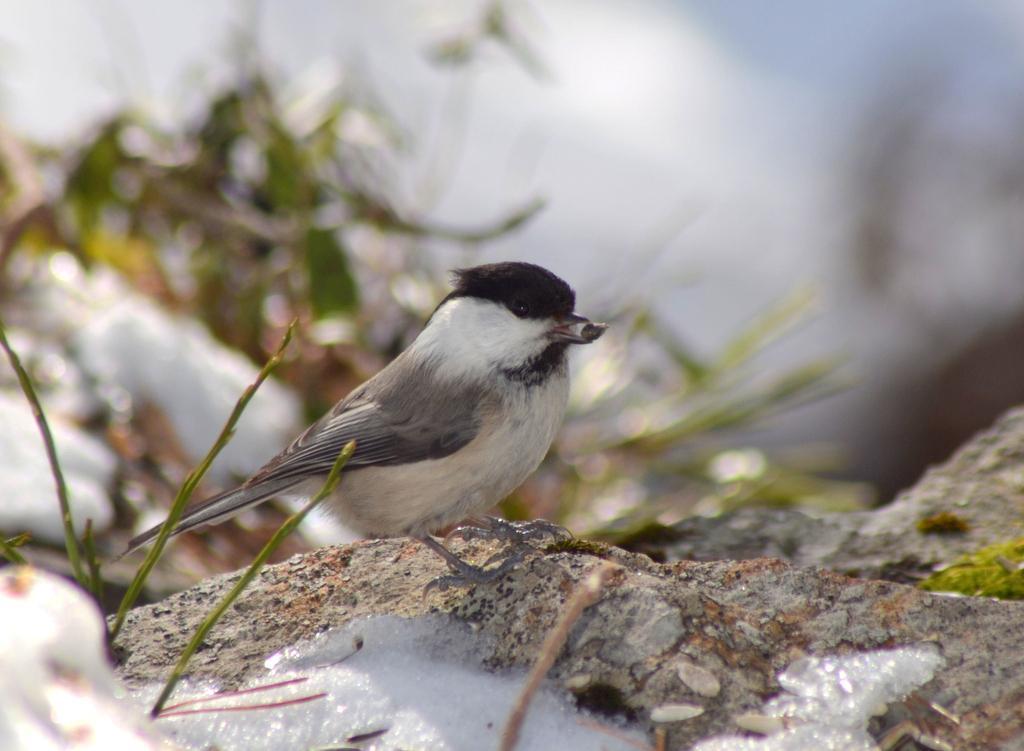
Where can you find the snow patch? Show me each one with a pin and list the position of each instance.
(177, 365)
(26, 482)
(419, 683)
(827, 701)
(57, 691)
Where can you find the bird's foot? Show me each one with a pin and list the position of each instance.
(463, 574)
(467, 574)
(517, 533)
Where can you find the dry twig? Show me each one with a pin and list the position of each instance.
(585, 595)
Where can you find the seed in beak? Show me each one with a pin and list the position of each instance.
(564, 332)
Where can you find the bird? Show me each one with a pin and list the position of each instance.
(447, 429)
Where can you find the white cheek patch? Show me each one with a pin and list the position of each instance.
(468, 336)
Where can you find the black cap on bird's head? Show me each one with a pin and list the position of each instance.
(529, 291)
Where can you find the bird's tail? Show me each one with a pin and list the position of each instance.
(217, 509)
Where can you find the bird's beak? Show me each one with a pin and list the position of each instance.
(588, 332)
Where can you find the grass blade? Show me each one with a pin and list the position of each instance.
(92, 561)
(70, 542)
(767, 327)
(250, 573)
(190, 484)
(9, 550)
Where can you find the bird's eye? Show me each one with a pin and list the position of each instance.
(519, 308)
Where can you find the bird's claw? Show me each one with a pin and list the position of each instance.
(517, 534)
(463, 574)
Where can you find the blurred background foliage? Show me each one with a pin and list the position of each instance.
(269, 206)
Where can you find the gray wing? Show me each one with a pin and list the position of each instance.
(401, 415)
(392, 422)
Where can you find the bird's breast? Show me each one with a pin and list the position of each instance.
(516, 431)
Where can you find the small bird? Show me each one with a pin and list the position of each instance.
(448, 429)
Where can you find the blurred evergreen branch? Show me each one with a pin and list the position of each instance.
(661, 417)
(497, 24)
(254, 201)
(25, 201)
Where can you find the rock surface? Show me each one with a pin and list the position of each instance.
(734, 625)
(982, 484)
(710, 637)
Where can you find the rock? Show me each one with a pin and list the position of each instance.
(981, 486)
(690, 646)
(732, 625)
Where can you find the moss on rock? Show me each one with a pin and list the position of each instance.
(993, 571)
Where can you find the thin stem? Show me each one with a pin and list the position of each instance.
(70, 543)
(190, 484)
(250, 573)
(247, 707)
(10, 551)
(92, 561)
(232, 694)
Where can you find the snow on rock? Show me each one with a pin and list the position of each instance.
(29, 497)
(119, 348)
(177, 365)
(56, 689)
(415, 683)
(827, 701)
